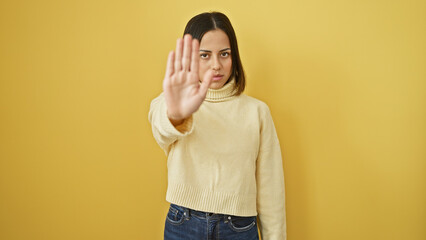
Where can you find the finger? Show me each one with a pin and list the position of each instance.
(205, 84)
(169, 68)
(178, 55)
(195, 58)
(186, 52)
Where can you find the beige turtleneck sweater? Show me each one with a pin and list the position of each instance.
(225, 159)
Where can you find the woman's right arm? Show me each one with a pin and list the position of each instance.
(165, 133)
(171, 113)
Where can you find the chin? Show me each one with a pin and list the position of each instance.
(217, 85)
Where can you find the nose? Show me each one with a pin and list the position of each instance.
(216, 65)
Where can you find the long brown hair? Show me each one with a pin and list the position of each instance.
(204, 22)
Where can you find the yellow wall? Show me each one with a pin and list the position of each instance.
(345, 81)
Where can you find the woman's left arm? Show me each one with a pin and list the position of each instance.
(270, 182)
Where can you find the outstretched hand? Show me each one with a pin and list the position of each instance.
(182, 90)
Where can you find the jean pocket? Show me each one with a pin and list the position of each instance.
(175, 216)
(242, 224)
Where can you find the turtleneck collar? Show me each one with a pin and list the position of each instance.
(225, 93)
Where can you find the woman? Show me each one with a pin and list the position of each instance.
(225, 171)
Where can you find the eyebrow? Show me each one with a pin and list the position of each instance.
(201, 50)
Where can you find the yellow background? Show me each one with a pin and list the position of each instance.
(345, 81)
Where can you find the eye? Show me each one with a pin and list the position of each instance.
(225, 54)
(204, 55)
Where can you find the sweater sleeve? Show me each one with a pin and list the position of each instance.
(163, 130)
(270, 182)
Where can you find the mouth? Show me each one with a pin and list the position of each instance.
(217, 77)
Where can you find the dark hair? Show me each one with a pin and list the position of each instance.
(208, 21)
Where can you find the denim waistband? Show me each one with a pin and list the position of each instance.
(201, 214)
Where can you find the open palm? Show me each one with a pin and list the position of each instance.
(182, 89)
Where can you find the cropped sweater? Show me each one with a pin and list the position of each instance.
(225, 158)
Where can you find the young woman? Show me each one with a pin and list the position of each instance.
(225, 173)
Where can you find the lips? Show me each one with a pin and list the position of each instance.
(217, 77)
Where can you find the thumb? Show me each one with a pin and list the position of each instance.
(205, 84)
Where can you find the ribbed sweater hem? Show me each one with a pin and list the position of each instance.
(211, 201)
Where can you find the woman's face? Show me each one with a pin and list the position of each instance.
(215, 55)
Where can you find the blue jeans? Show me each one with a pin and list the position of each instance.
(186, 224)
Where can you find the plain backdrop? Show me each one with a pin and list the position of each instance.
(345, 82)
